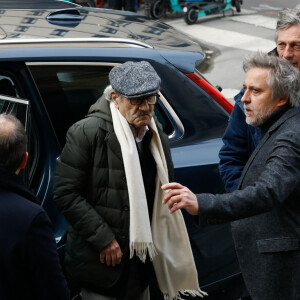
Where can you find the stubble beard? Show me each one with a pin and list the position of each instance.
(258, 118)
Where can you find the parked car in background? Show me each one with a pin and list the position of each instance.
(54, 63)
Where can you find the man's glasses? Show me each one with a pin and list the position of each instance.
(151, 100)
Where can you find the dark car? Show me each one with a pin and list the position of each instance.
(54, 63)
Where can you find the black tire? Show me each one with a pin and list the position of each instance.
(191, 16)
(157, 9)
(238, 5)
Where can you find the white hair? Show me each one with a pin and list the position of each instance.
(287, 18)
(107, 91)
(283, 79)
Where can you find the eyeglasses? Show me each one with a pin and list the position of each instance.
(151, 100)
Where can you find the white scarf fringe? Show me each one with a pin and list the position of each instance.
(192, 293)
(141, 249)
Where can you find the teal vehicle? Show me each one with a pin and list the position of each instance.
(159, 7)
(193, 9)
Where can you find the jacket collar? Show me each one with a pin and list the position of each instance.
(101, 106)
(101, 110)
(267, 124)
(13, 183)
(285, 116)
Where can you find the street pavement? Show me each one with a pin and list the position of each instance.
(227, 40)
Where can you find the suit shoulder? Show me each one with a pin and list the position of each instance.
(293, 123)
(18, 211)
(289, 132)
(19, 203)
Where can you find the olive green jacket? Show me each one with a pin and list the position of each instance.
(90, 190)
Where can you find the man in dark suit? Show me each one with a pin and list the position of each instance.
(29, 263)
(265, 210)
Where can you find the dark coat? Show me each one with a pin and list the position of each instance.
(90, 189)
(29, 263)
(266, 211)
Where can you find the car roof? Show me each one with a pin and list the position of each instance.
(24, 4)
(28, 20)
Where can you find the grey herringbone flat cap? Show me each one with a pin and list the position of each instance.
(134, 79)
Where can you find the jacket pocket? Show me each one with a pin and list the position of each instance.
(277, 245)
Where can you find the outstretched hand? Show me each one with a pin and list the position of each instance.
(178, 196)
(111, 254)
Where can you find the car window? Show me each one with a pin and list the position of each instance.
(69, 90)
(7, 86)
(9, 99)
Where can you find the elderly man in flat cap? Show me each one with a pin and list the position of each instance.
(121, 238)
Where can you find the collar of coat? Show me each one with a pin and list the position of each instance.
(271, 119)
(101, 110)
(285, 116)
(13, 183)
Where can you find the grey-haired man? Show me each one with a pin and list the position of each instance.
(265, 209)
(107, 185)
(240, 139)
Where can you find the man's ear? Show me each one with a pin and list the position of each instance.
(114, 98)
(23, 163)
(283, 101)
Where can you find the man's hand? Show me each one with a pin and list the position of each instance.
(178, 196)
(111, 254)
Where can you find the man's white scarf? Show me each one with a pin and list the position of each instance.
(166, 240)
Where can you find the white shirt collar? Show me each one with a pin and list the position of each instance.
(141, 134)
